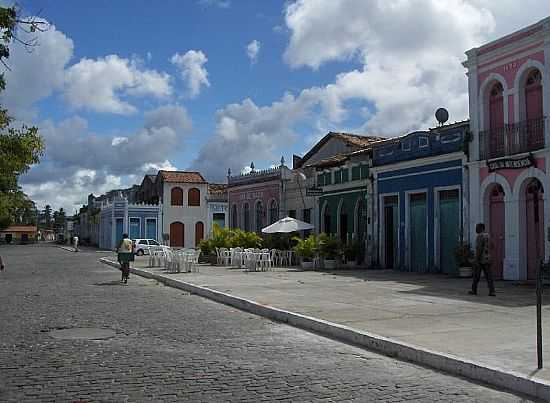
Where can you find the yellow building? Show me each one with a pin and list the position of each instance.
(19, 234)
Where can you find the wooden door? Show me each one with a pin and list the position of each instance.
(417, 233)
(391, 226)
(534, 204)
(177, 235)
(199, 232)
(533, 96)
(496, 121)
(449, 230)
(497, 231)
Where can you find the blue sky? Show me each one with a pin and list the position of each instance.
(121, 88)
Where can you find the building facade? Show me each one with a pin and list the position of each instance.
(118, 216)
(254, 198)
(217, 207)
(509, 159)
(184, 207)
(418, 199)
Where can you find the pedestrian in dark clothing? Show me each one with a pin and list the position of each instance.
(125, 256)
(482, 261)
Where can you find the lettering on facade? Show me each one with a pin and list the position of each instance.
(314, 192)
(217, 208)
(511, 66)
(251, 195)
(510, 163)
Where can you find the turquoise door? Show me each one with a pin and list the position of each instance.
(119, 230)
(151, 229)
(135, 232)
(449, 230)
(391, 227)
(417, 232)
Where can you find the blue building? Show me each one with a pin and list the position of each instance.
(418, 199)
(117, 217)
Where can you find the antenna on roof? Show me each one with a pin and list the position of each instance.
(442, 115)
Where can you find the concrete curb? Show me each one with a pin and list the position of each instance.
(67, 248)
(494, 376)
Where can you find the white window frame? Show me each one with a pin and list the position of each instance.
(423, 138)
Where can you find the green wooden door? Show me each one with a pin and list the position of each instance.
(391, 223)
(417, 234)
(449, 230)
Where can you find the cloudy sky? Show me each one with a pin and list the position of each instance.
(122, 88)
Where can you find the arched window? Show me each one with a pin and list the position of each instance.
(259, 216)
(176, 196)
(533, 95)
(194, 197)
(343, 230)
(234, 217)
(326, 219)
(496, 106)
(199, 232)
(273, 212)
(246, 217)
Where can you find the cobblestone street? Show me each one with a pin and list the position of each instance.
(172, 346)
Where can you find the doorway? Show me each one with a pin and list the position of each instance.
(497, 230)
(534, 210)
(449, 230)
(417, 232)
(391, 226)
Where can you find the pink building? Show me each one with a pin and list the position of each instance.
(508, 166)
(254, 198)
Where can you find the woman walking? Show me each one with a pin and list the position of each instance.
(125, 256)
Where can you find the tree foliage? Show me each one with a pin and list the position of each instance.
(20, 147)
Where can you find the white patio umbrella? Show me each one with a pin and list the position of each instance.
(286, 225)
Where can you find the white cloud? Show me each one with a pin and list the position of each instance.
(410, 53)
(193, 72)
(90, 162)
(36, 72)
(252, 50)
(102, 84)
(246, 132)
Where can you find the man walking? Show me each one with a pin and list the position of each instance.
(75, 242)
(482, 261)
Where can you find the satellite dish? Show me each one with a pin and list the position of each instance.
(442, 115)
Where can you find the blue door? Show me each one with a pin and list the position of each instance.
(449, 230)
(119, 230)
(151, 229)
(135, 232)
(417, 234)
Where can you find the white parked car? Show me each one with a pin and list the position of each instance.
(142, 246)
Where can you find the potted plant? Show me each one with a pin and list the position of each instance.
(330, 249)
(351, 253)
(464, 257)
(208, 252)
(306, 250)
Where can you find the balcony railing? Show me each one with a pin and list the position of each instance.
(515, 138)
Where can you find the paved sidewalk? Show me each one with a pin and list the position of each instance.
(430, 311)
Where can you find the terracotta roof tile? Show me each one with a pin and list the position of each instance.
(20, 228)
(182, 177)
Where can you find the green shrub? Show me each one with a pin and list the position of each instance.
(330, 247)
(306, 248)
